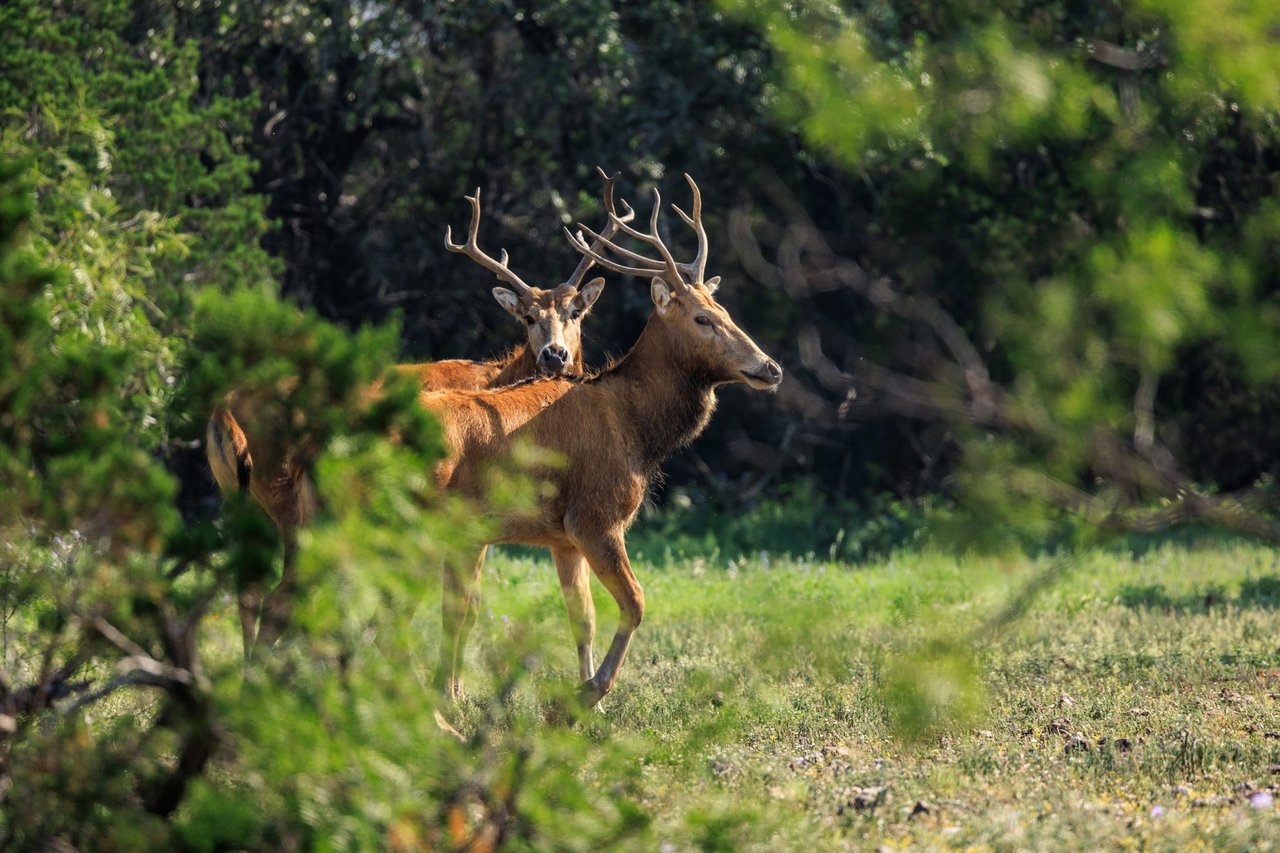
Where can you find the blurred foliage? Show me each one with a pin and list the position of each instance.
(1069, 207)
(1086, 192)
(931, 690)
(127, 718)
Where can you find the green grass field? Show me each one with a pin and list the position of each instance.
(1135, 703)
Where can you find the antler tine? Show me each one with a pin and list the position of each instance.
(580, 243)
(617, 223)
(655, 266)
(609, 181)
(656, 241)
(472, 249)
(653, 238)
(612, 228)
(699, 264)
(473, 227)
(675, 273)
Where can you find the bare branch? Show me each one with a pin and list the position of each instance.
(1144, 422)
(136, 679)
(41, 695)
(117, 638)
(1123, 58)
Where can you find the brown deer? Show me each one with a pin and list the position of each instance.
(613, 431)
(552, 318)
(249, 441)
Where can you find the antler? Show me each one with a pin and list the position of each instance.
(472, 250)
(699, 263)
(675, 273)
(628, 214)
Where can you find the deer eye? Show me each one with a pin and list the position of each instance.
(528, 318)
(702, 320)
(577, 312)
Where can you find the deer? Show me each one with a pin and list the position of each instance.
(552, 318)
(248, 441)
(613, 431)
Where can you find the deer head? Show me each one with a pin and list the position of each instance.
(552, 317)
(699, 330)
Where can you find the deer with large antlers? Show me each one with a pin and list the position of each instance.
(658, 398)
(552, 318)
(247, 440)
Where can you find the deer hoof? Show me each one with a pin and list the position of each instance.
(589, 694)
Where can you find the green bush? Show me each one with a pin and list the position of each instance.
(128, 718)
(799, 523)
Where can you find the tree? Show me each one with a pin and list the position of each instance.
(127, 717)
(1067, 211)
(137, 185)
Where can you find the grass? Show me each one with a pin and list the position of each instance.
(1135, 703)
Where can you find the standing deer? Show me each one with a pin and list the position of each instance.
(249, 440)
(613, 431)
(552, 318)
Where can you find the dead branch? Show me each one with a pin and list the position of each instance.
(952, 383)
(1123, 58)
(43, 694)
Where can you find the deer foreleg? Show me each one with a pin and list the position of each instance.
(250, 605)
(609, 561)
(575, 584)
(460, 607)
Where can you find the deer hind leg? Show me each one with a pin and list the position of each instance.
(292, 504)
(608, 559)
(575, 584)
(460, 607)
(250, 605)
(277, 605)
(253, 602)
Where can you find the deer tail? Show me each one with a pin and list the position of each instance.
(228, 451)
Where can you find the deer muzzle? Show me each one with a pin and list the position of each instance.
(552, 359)
(766, 376)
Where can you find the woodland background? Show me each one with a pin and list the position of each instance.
(326, 146)
(1019, 261)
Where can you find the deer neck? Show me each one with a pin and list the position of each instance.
(670, 398)
(514, 366)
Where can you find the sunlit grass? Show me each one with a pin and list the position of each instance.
(1134, 703)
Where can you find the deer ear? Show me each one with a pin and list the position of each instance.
(712, 283)
(589, 293)
(507, 300)
(661, 293)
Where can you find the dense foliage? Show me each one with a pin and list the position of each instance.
(1071, 213)
(968, 158)
(1023, 256)
(127, 717)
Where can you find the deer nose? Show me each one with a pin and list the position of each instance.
(553, 357)
(772, 370)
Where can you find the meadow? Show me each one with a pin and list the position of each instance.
(1132, 703)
